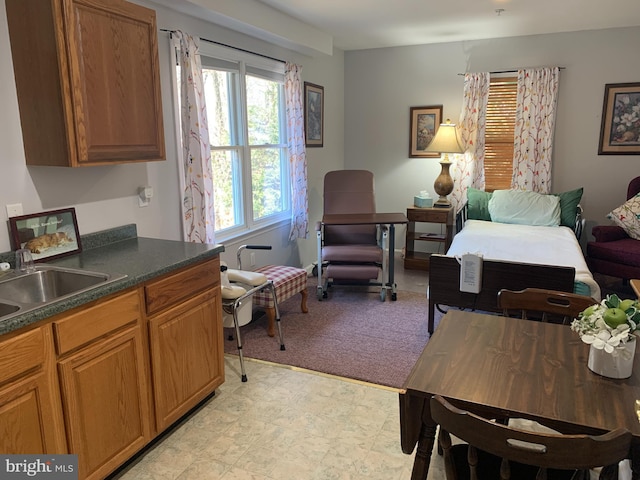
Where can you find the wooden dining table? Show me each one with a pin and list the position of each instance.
(497, 366)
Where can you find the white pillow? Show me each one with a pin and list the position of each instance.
(627, 216)
(524, 208)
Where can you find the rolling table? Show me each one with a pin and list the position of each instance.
(390, 219)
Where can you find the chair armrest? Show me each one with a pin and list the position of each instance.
(608, 233)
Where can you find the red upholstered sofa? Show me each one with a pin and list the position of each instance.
(613, 252)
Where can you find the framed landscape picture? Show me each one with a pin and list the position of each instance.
(313, 115)
(620, 128)
(424, 123)
(47, 235)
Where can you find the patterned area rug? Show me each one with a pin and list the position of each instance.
(351, 334)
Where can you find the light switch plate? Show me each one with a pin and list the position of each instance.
(14, 210)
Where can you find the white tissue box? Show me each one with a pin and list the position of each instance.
(422, 202)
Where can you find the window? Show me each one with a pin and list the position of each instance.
(499, 133)
(244, 97)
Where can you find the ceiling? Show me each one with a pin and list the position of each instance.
(363, 24)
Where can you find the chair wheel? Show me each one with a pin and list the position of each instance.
(383, 294)
(394, 296)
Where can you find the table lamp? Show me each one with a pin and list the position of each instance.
(445, 141)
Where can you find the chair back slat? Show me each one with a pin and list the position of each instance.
(543, 305)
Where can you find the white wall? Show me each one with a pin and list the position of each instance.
(382, 84)
(106, 197)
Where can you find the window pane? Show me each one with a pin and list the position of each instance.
(266, 176)
(263, 105)
(226, 189)
(217, 90)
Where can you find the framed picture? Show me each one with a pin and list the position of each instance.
(313, 115)
(424, 125)
(47, 234)
(620, 129)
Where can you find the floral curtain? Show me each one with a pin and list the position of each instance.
(297, 151)
(468, 168)
(196, 176)
(535, 123)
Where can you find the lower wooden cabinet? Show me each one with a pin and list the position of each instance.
(187, 355)
(105, 386)
(30, 412)
(102, 380)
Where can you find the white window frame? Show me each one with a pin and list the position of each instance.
(249, 226)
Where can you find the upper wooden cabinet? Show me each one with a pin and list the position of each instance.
(87, 80)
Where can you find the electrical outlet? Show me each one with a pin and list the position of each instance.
(14, 210)
(253, 259)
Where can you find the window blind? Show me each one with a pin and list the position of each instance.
(499, 128)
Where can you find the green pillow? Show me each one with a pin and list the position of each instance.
(478, 204)
(569, 206)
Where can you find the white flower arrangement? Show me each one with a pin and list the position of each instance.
(609, 324)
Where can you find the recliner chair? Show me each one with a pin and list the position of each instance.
(613, 252)
(350, 254)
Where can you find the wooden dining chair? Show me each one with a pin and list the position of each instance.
(543, 305)
(496, 451)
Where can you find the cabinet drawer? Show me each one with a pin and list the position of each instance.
(91, 323)
(177, 287)
(21, 353)
(431, 216)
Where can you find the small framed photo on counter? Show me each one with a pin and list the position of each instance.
(47, 235)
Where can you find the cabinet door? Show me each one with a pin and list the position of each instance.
(115, 81)
(104, 387)
(30, 413)
(187, 356)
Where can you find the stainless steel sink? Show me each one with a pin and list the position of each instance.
(7, 309)
(22, 292)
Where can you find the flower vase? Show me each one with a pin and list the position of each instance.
(618, 364)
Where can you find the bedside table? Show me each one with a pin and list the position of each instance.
(444, 216)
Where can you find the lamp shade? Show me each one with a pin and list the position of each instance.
(445, 140)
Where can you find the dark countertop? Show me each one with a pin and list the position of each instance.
(139, 258)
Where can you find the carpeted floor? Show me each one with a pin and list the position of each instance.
(351, 334)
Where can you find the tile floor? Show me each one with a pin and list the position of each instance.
(284, 424)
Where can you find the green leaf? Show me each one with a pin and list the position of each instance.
(612, 301)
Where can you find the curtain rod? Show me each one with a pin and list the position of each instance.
(231, 46)
(508, 71)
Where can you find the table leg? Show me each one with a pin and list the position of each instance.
(635, 461)
(392, 248)
(423, 451)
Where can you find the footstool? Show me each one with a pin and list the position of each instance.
(287, 281)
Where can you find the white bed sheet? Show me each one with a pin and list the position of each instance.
(526, 244)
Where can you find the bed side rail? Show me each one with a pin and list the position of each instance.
(444, 282)
(461, 217)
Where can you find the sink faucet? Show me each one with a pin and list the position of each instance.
(24, 261)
